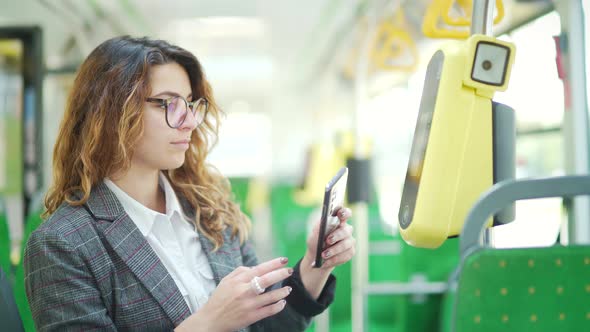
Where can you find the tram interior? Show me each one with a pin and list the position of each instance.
(305, 86)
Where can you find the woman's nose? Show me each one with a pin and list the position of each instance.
(190, 122)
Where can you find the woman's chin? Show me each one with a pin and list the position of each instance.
(173, 163)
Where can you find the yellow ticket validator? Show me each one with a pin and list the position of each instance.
(451, 161)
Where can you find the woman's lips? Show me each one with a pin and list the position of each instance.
(183, 144)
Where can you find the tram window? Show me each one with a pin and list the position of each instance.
(11, 147)
(537, 221)
(539, 144)
(535, 74)
(10, 116)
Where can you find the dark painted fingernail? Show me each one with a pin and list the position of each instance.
(347, 213)
(330, 239)
(284, 260)
(290, 271)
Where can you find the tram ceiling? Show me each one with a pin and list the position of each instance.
(342, 31)
(297, 41)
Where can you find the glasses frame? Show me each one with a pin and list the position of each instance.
(192, 105)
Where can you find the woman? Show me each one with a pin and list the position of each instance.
(141, 234)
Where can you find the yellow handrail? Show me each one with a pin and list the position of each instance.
(393, 47)
(439, 23)
(466, 7)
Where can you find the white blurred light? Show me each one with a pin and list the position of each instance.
(240, 106)
(235, 68)
(534, 74)
(218, 26)
(245, 145)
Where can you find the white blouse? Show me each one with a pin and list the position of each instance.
(176, 242)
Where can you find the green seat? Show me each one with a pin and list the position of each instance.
(239, 188)
(8, 313)
(524, 289)
(447, 307)
(33, 221)
(4, 243)
(544, 289)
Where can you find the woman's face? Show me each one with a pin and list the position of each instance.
(162, 147)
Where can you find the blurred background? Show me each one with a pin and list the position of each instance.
(303, 85)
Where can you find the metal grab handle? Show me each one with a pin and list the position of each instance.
(467, 7)
(482, 17)
(507, 192)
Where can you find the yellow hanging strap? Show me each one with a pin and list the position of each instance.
(394, 49)
(452, 18)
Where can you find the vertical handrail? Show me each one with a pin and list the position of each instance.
(482, 17)
(360, 264)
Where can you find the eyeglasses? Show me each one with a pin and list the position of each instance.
(177, 109)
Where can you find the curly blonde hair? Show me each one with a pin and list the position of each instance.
(103, 122)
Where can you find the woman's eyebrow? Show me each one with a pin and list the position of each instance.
(172, 94)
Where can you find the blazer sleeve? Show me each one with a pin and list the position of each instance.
(61, 291)
(301, 306)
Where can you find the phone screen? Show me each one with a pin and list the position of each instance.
(333, 201)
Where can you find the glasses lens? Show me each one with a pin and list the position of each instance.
(200, 108)
(176, 111)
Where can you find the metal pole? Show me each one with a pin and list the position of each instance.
(482, 17)
(504, 153)
(482, 20)
(579, 225)
(360, 264)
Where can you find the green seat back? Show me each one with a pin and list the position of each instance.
(446, 315)
(4, 244)
(435, 266)
(33, 221)
(239, 188)
(542, 289)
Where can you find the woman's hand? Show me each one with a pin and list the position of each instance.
(235, 303)
(339, 248)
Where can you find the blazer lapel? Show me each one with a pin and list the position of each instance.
(126, 240)
(222, 260)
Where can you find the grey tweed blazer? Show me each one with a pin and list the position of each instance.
(90, 268)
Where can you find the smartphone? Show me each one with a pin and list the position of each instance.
(333, 201)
